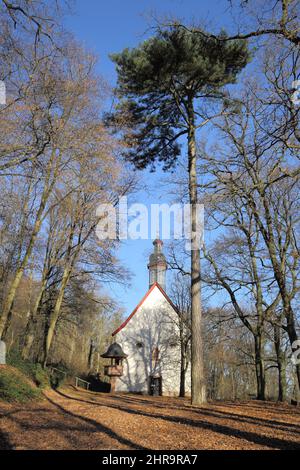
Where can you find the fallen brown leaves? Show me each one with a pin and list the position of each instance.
(75, 419)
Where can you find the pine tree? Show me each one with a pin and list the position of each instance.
(160, 85)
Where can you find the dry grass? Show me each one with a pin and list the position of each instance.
(73, 419)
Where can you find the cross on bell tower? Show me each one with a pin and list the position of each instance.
(157, 265)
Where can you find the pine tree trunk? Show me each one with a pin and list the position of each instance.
(197, 366)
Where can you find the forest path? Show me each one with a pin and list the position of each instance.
(76, 419)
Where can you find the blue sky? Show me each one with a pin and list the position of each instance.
(107, 26)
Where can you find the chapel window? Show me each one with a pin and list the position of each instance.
(155, 355)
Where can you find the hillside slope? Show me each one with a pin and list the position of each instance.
(15, 386)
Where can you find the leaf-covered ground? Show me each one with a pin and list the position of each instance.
(73, 419)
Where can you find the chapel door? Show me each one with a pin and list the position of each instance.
(155, 386)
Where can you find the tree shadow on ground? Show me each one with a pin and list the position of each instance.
(255, 406)
(217, 413)
(270, 423)
(99, 427)
(254, 420)
(250, 436)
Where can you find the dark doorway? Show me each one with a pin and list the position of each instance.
(155, 386)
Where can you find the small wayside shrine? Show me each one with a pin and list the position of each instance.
(115, 369)
(145, 355)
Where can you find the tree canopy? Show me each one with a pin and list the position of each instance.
(158, 83)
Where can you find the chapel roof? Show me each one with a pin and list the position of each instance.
(141, 303)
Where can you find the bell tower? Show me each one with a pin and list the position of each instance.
(157, 265)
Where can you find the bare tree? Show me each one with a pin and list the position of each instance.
(271, 17)
(63, 103)
(256, 177)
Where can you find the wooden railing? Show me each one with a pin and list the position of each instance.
(78, 381)
(54, 369)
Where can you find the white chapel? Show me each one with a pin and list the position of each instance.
(145, 353)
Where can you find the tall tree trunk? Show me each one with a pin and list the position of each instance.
(32, 322)
(55, 314)
(197, 366)
(8, 302)
(233, 387)
(260, 367)
(213, 391)
(182, 382)
(281, 364)
(293, 336)
(282, 383)
(91, 356)
(7, 305)
(182, 370)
